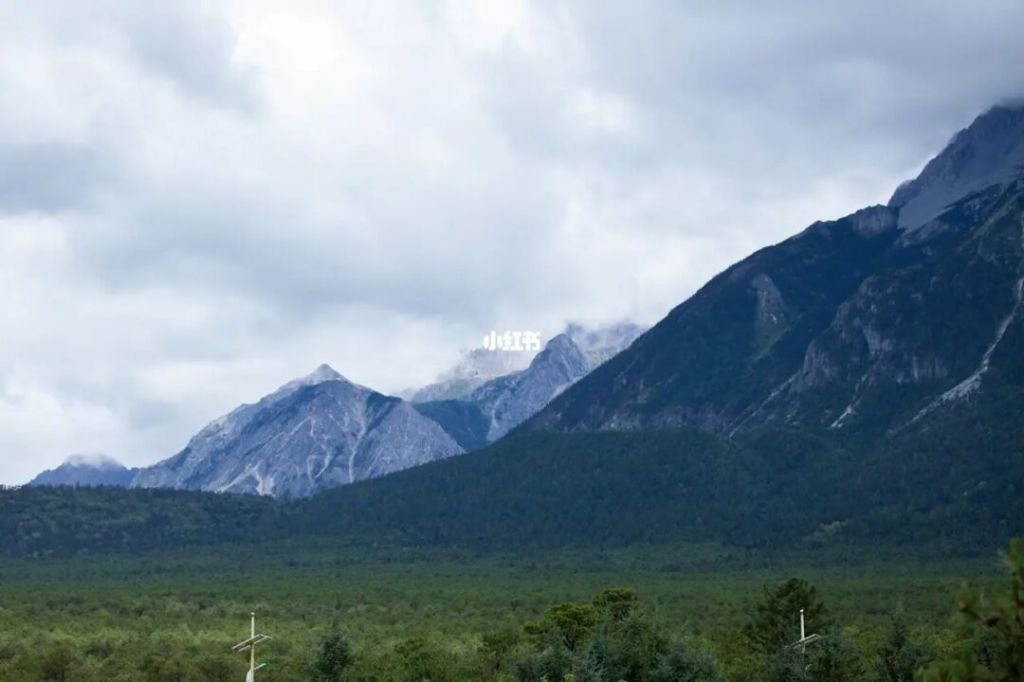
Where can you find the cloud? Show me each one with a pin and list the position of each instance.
(47, 177)
(199, 201)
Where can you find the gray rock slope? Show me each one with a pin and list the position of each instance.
(989, 152)
(499, 405)
(314, 433)
(323, 431)
(475, 368)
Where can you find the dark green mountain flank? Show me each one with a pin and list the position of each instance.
(952, 483)
(850, 326)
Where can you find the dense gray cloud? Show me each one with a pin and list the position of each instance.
(199, 201)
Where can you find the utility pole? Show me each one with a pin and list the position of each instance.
(803, 633)
(805, 639)
(250, 646)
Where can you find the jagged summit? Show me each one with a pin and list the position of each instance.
(318, 376)
(322, 430)
(315, 432)
(601, 343)
(497, 406)
(480, 365)
(988, 152)
(474, 368)
(324, 373)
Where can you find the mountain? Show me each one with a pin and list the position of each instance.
(497, 406)
(313, 433)
(857, 387)
(86, 470)
(481, 365)
(599, 344)
(989, 152)
(474, 368)
(860, 384)
(861, 325)
(322, 431)
(769, 490)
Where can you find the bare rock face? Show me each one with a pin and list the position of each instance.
(321, 431)
(475, 368)
(989, 152)
(313, 433)
(501, 404)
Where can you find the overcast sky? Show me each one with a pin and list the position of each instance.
(199, 201)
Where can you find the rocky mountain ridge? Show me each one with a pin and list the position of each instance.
(861, 324)
(322, 430)
(313, 433)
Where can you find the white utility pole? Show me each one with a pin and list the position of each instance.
(250, 645)
(805, 639)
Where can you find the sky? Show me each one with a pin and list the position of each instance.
(201, 201)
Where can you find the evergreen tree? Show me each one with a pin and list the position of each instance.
(787, 664)
(683, 664)
(630, 649)
(333, 658)
(836, 658)
(776, 619)
(571, 623)
(898, 658)
(56, 663)
(1001, 627)
(617, 602)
